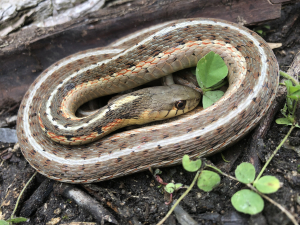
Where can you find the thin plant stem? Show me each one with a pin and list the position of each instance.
(287, 76)
(181, 197)
(17, 203)
(220, 171)
(274, 153)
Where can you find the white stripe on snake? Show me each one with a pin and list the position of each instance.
(172, 46)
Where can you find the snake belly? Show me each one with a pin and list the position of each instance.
(137, 59)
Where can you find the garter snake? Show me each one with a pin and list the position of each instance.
(134, 60)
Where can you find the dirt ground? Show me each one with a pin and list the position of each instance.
(138, 199)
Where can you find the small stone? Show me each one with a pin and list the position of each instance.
(3, 123)
(8, 135)
(11, 120)
(282, 52)
(57, 211)
(53, 221)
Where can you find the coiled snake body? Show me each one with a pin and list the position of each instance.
(134, 60)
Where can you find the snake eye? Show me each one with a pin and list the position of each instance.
(180, 104)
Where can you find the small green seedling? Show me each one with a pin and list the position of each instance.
(262, 30)
(211, 97)
(168, 187)
(207, 180)
(14, 220)
(289, 109)
(171, 188)
(190, 165)
(210, 73)
(267, 184)
(245, 173)
(247, 201)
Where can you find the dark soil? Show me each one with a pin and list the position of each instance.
(142, 197)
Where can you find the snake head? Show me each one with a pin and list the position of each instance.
(163, 102)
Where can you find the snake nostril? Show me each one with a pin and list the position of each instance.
(180, 104)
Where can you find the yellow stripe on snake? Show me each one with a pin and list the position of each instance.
(56, 143)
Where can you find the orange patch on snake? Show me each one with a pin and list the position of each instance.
(206, 42)
(84, 138)
(140, 64)
(229, 48)
(56, 137)
(91, 135)
(191, 43)
(41, 124)
(150, 59)
(109, 126)
(95, 82)
(171, 50)
(221, 44)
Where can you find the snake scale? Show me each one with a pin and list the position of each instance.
(132, 61)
